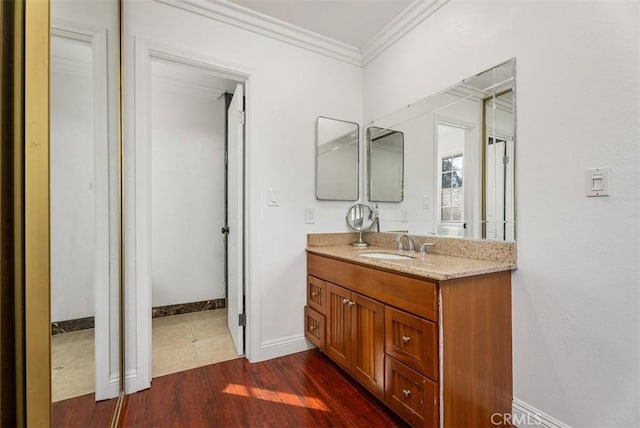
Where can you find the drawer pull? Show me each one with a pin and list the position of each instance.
(315, 294)
(406, 393)
(312, 328)
(345, 301)
(405, 339)
(351, 303)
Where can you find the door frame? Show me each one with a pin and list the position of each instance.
(137, 196)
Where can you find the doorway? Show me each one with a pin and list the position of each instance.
(196, 216)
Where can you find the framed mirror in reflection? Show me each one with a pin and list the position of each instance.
(458, 178)
(337, 159)
(385, 148)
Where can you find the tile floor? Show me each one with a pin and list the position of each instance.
(180, 342)
(72, 364)
(187, 341)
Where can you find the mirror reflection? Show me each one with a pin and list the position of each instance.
(337, 159)
(84, 189)
(386, 164)
(459, 169)
(73, 219)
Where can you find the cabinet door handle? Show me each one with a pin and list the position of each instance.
(345, 301)
(312, 327)
(405, 339)
(315, 294)
(406, 393)
(351, 303)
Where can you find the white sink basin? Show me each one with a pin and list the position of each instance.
(389, 256)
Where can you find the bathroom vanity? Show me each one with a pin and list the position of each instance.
(429, 335)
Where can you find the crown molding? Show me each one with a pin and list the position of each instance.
(256, 22)
(410, 18)
(247, 19)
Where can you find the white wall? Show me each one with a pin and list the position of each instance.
(287, 89)
(576, 322)
(72, 181)
(187, 131)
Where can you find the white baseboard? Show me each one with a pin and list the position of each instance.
(527, 416)
(282, 346)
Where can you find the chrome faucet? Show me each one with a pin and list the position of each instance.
(412, 245)
(423, 247)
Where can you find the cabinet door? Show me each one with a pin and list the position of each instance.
(338, 332)
(367, 339)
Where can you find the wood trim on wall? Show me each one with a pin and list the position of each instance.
(36, 233)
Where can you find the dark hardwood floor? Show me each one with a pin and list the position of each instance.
(299, 390)
(82, 412)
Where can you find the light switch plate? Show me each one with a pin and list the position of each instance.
(426, 202)
(598, 182)
(404, 215)
(272, 196)
(309, 215)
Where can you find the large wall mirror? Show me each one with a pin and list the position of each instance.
(337, 159)
(459, 147)
(84, 188)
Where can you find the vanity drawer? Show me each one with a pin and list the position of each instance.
(417, 296)
(314, 327)
(317, 294)
(413, 396)
(412, 340)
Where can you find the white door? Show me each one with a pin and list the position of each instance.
(499, 188)
(235, 210)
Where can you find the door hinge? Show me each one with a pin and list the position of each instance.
(241, 117)
(505, 160)
(242, 320)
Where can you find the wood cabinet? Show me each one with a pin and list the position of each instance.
(355, 338)
(430, 350)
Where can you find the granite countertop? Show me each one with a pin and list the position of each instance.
(439, 267)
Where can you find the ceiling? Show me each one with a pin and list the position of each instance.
(353, 22)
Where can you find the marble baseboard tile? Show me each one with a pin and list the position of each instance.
(186, 308)
(59, 327)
